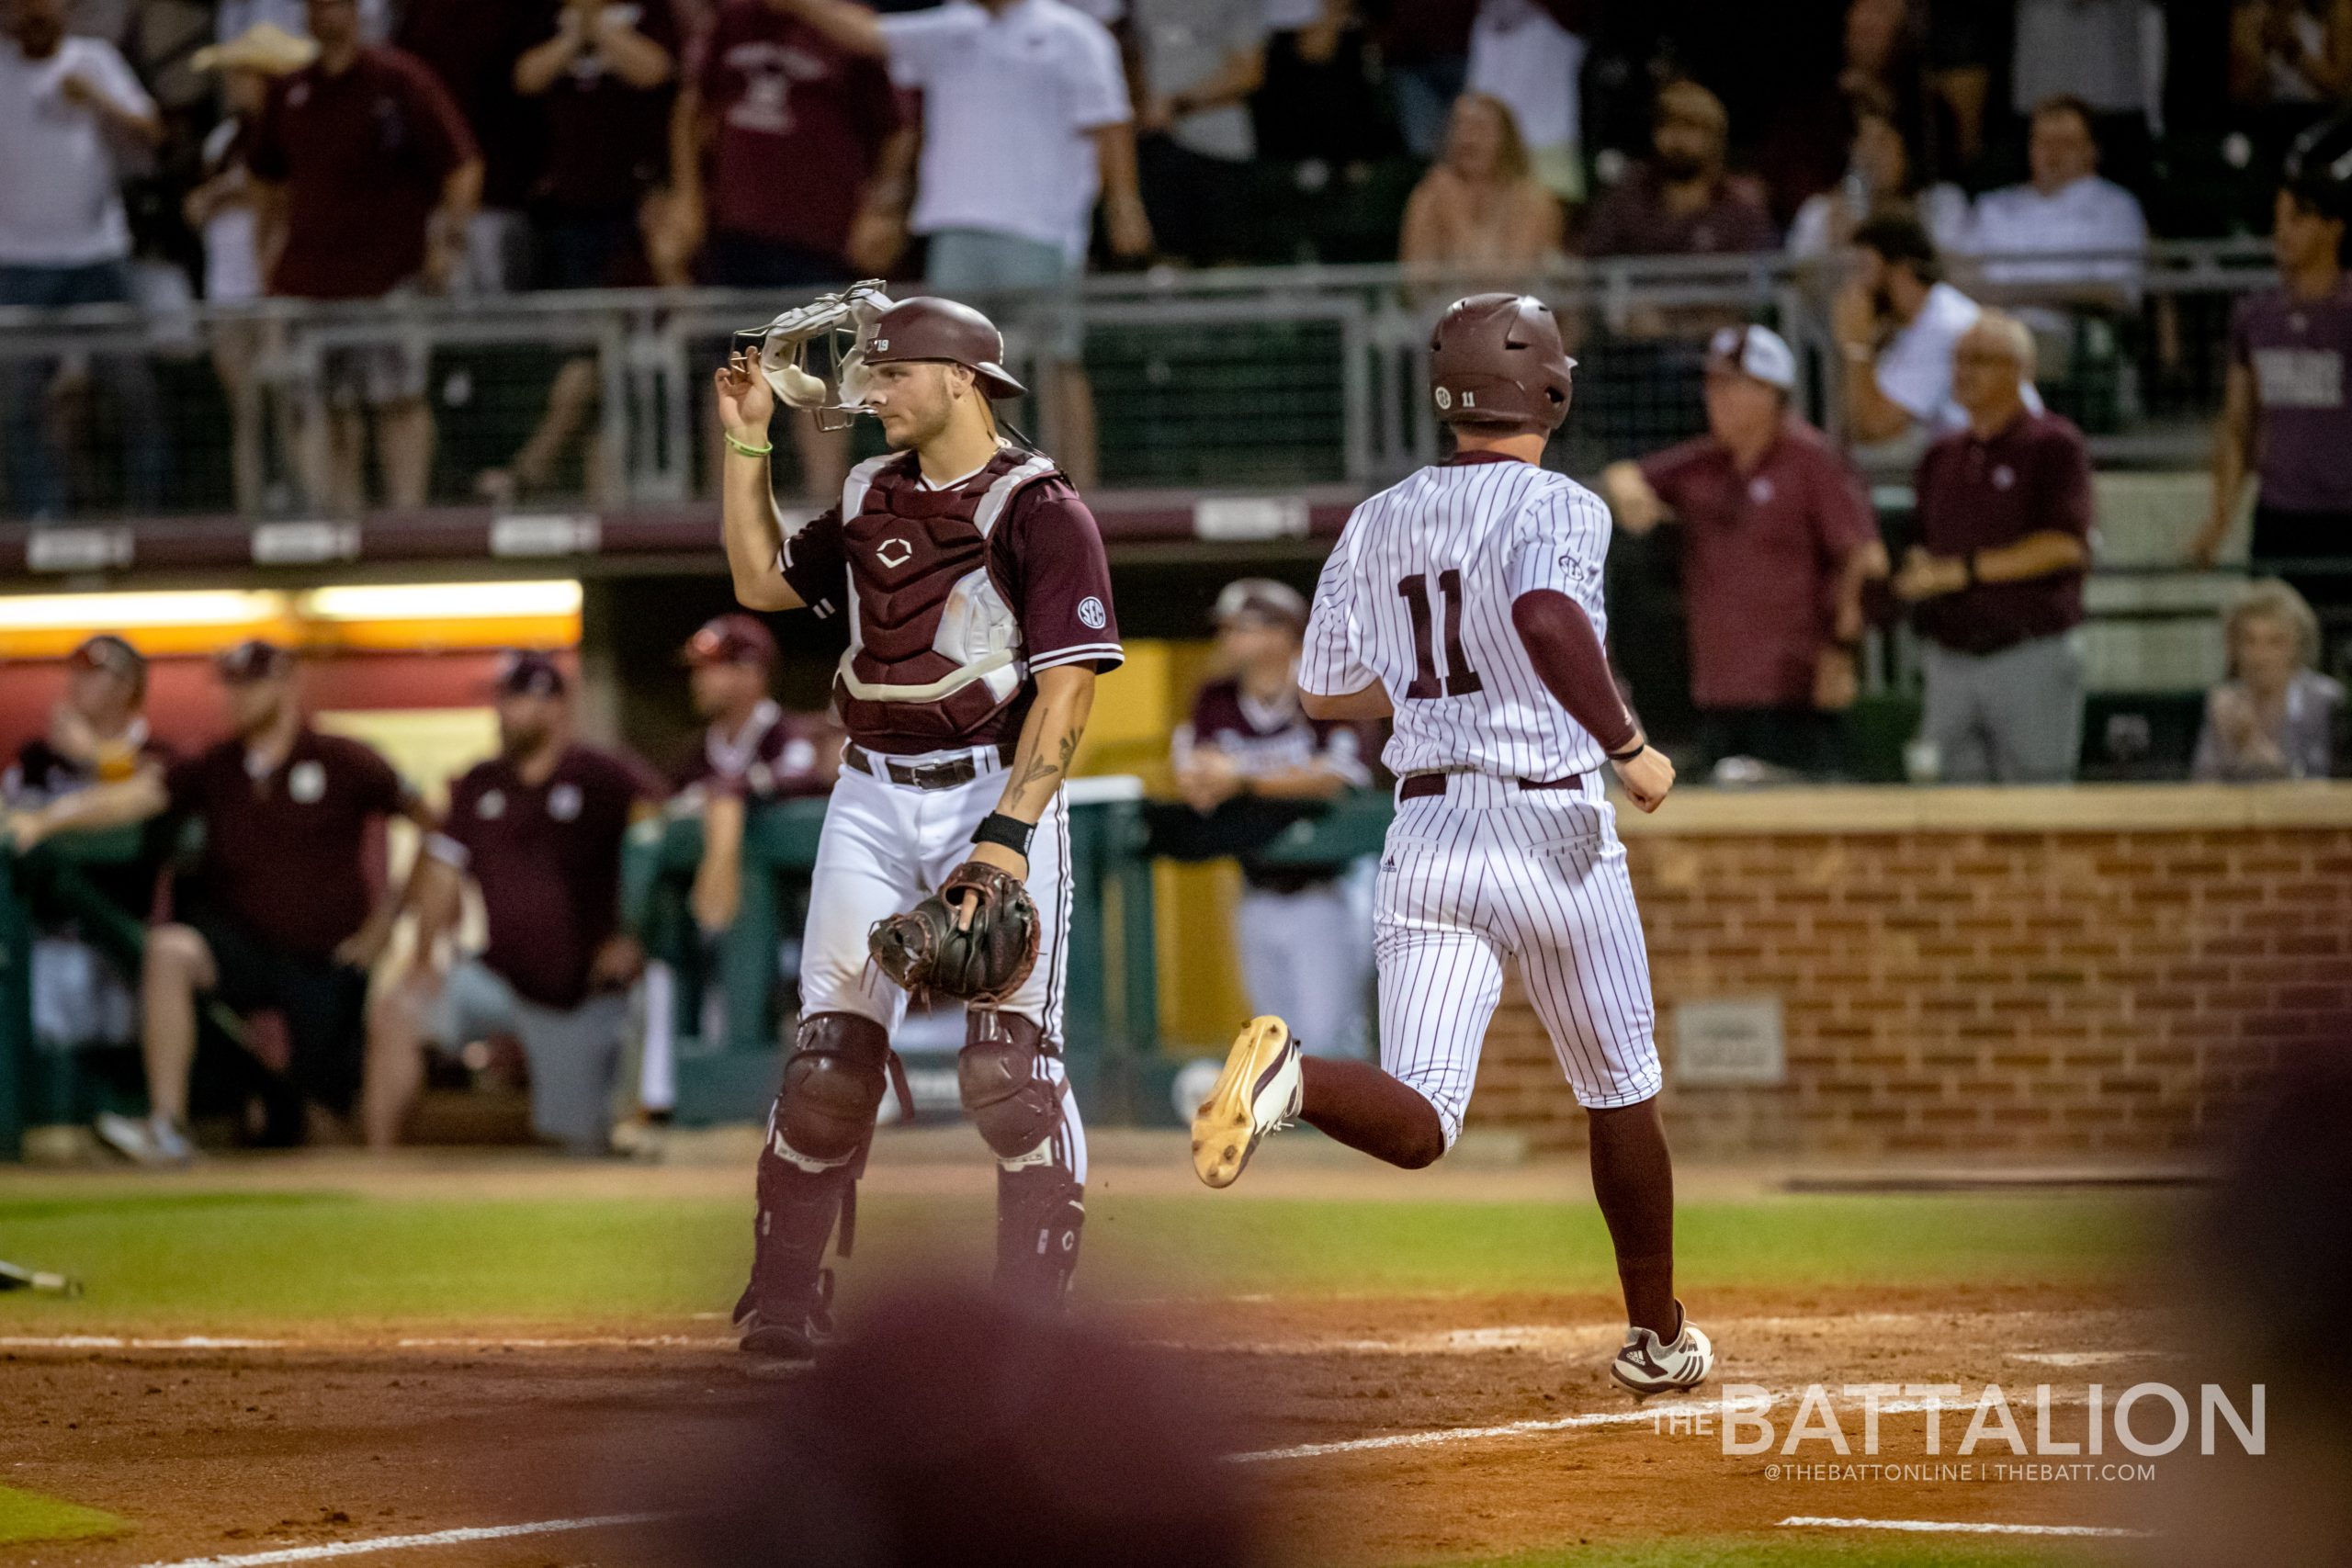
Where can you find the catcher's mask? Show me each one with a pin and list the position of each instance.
(814, 355)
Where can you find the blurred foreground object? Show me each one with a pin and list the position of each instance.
(953, 1427)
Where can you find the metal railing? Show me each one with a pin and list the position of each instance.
(1239, 378)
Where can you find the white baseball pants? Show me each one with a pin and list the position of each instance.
(1488, 871)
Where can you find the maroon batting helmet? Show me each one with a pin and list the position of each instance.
(1497, 362)
(927, 327)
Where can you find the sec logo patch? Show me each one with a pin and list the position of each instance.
(1090, 612)
(307, 782)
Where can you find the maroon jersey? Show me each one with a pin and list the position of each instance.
(774, 757)
(2300, 353)
(1263, 738)
(1762, 554)
(548, 860)
(286, 852)
(797, 125)
(363, 156)
(955, 597)
(1979, 493)
(608, 142)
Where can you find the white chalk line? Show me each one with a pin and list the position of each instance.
(1647, 1415)
(1433, 1438)
(406, 1542)
(1961, 1526)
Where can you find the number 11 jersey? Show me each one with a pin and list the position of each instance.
(1417, 595)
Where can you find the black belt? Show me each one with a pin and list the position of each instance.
(1420, 786)
(919, 775)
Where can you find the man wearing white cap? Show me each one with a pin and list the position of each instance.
(1778, 537)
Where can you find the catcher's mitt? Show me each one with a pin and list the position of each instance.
(984, 960)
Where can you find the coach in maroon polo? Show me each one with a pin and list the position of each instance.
(365, 176)
(1996, 581)
(283, 913)
(1777, 538)
(538, 830)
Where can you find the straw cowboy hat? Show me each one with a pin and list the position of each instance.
(265, 47)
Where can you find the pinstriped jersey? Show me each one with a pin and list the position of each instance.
(1417, 595)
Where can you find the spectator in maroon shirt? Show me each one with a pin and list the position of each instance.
(470, 47)
(366, 176)
(1777, 540)
(1996, 581)
(605, 74)
(791, 165)
(791, 156)
(538, 830)
(1682, 202)
(283, 915)
(2287, 412)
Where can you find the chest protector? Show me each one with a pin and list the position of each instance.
(934, 649)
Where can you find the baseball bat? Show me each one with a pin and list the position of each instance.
(14, 1278)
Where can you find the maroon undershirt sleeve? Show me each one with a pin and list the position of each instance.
(1559, 638)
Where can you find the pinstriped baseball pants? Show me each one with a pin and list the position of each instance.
(1489, 872)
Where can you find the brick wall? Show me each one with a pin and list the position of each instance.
(2060, 974)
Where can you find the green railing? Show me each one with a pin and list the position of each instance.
(1111, 1016)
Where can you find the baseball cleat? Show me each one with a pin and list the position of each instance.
(151, 1141)
(1646, 1365)
(794, 1335)
(1257, 1093)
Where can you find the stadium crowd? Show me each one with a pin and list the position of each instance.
(355, 150)
(344, 150)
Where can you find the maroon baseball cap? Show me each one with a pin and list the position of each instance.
(113, 654)
(524, 673)
(255, 659)
(732, 639)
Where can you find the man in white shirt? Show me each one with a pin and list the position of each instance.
(1520, 54)
(2066, 210)
(1897, 321)
(66, 104)
(1025, 121)
(2109, 54)
(1197, 62)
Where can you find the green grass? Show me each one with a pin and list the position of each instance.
(222, 1261)
(1859, 1549)
(29, 1516)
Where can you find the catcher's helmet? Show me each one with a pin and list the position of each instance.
(1496, 362)
(2318, 171)
(927, 327)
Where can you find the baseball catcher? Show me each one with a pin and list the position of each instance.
(972, 579)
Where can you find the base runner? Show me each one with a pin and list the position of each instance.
(978, 598)
(1465, 602)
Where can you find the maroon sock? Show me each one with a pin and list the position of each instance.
(1365, 1109)
(1633, 1178)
